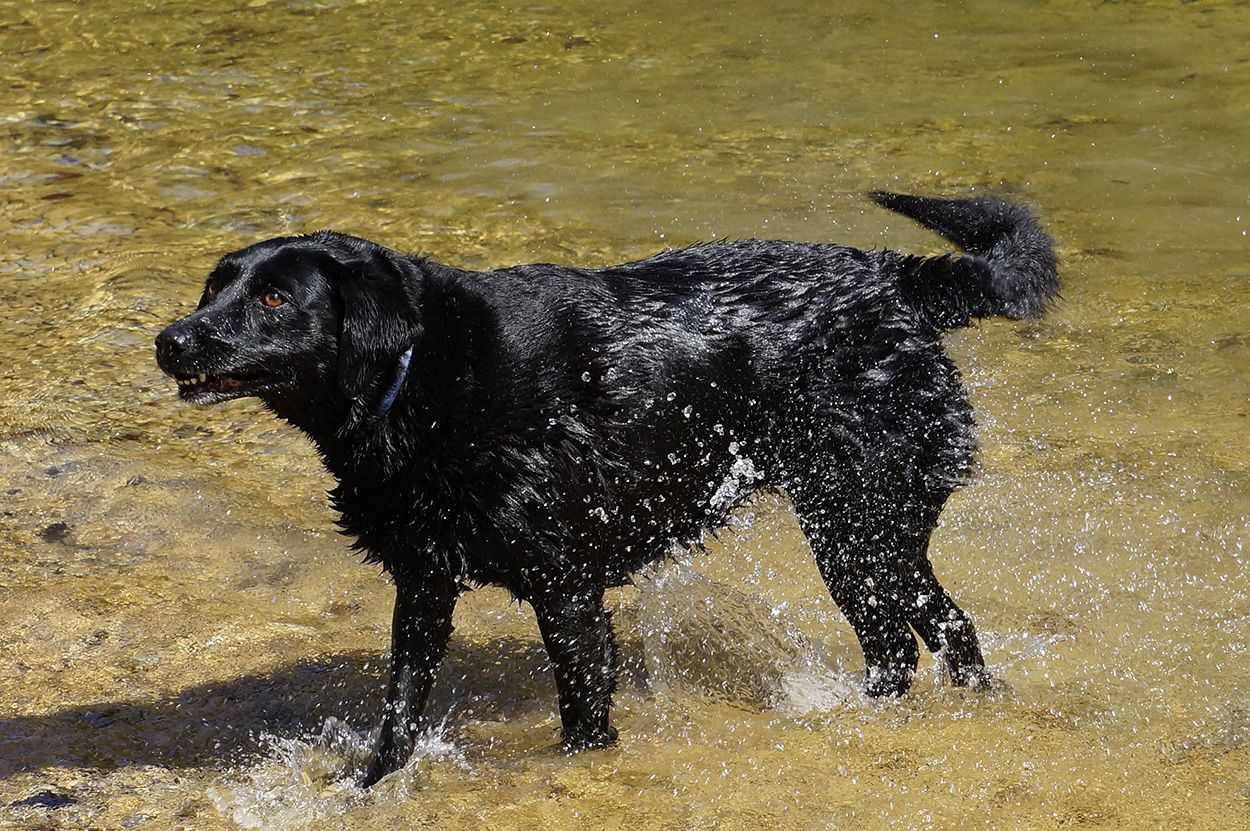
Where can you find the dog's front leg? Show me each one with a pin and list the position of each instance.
(577, 632)
(419, 635)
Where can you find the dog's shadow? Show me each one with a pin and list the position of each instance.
(224, 722)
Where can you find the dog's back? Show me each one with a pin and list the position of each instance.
(662, 392)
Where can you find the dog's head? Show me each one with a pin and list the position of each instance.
(317, 326)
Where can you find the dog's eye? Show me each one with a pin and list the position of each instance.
(272, 299)
(211, 288)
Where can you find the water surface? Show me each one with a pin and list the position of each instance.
(185, 641)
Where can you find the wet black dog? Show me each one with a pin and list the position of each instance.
(552, 429)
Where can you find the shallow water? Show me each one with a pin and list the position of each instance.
(185, 641)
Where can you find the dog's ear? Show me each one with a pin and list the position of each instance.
(381, 324)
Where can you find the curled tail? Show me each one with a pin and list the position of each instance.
(1008, 267)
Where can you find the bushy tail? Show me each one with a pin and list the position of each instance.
(1008, 267)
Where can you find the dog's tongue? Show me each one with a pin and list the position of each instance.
(224, 384)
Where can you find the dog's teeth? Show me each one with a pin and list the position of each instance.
(203, 377)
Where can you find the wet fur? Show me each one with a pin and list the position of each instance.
(556, 428)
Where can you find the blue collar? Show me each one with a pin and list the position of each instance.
(392, 392)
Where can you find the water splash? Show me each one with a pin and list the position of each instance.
(706, 638)
(304, 782)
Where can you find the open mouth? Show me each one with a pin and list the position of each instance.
(210, 389)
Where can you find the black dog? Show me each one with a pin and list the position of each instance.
(552, 430)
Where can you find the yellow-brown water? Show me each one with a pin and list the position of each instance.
(186, 643)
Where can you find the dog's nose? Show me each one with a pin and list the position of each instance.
(171, 342)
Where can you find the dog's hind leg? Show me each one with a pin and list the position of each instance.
(879, 575)
(577, 631)
(907, 585)
(945, 627)
(854, 568)
(419, 634)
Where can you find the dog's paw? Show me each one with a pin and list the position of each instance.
(972, 675)
(887, 682)
(605, 737)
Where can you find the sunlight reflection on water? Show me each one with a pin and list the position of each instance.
(187, 642)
